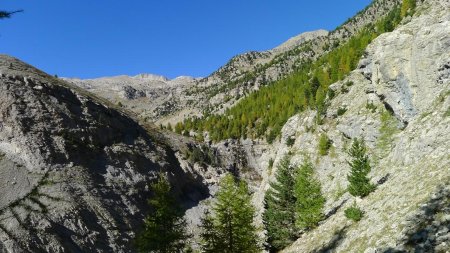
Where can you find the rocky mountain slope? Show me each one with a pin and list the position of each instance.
(74, 171)
(398, 100)
(243, 74)
(74, 167)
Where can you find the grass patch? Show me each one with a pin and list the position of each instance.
(324, 144)
(341, 111)
(387, 130)
(371, 107)
(290, 141)
(340, 191)
(354, 213)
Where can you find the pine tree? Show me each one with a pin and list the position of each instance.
(360, 168)
(164, 228)
(310, 200)
(232, 220)
(210, 238)
(279, 214)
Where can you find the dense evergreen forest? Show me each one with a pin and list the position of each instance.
(263, 113)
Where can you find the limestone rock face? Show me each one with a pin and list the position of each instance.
(405, 66)
(404, 79)
(74, 171)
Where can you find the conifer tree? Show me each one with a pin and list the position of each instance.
(231, 228)
(310, 200)
(279, 214)
(164, 228)
(210, 239)
(360, 168)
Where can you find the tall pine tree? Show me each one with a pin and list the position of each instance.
(164, 228)
(279, 214)
(360, 168)
(230, 229)
(310, 200)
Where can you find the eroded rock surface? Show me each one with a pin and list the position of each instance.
(74, 171)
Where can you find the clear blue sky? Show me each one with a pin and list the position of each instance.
(93, 38)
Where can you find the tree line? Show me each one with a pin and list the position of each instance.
(263, 113)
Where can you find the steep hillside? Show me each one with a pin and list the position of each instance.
(242, 75)
(74, 168)
(74, 171)
(150, 97)
(398, 100)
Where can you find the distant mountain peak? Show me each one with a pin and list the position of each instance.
(301, 38)
(151, 77)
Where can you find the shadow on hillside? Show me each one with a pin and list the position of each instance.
(430, 228)
(334, 242)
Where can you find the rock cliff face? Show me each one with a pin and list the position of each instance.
(74, 171)
(398, 100)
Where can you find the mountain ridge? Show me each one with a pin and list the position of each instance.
(75, 165)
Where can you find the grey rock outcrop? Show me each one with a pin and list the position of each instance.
(74, 171)
(406, 129)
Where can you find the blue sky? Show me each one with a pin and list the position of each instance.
(93, 38)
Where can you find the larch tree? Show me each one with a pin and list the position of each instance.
(310, 200)
(230, 228)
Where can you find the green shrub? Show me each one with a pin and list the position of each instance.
(341, 111)
(324, 144)
(354, 213)
(290, 141)
(271, 137)
(371, 107)
(331, 93)
(349, 83)
(408, 7)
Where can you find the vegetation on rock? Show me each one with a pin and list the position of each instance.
(263, 113)
(324, 144)
(354, 213)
